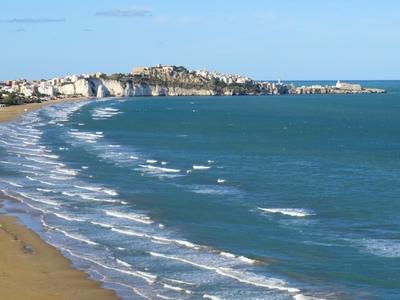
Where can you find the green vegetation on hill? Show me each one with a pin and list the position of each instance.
(16, 99)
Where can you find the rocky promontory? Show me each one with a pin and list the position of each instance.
(163, 81)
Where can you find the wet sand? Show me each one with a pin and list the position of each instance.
(13, 112)
(31, 269)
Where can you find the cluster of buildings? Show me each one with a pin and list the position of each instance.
(226, 78)
(146, 71)
(338, 88)
(274, 88)
(44, 89)
(167, 70)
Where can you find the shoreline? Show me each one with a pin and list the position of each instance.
(30, 268)
(14, 112)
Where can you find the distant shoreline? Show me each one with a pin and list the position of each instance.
(163, 80)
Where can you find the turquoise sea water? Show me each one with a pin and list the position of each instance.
(283, 197)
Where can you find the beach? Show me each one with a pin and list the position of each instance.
(29, 267)
(13, 112)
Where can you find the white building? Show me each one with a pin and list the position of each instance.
(348, 86)
(47, 89)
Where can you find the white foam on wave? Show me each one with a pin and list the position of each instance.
(214, 190)
(179, 281)
(31, 167)
(246, 259)
(40, 200)
(109, 192)
(155, 169)
(68, 218)
(39, 155)
(8, 143)
(76, 236)
(55, 177)
(128, 232)
(241, 276)
(158, 239)
(123, 263)
(105, 113)
(104, 225)
(45, 201)
(35, 207)
(238, 257)
(173, 288)
(86, 136)
(68, 194)
(46, 183)
(304, 297)
(129, 216)
(39, 150)
(293, 212)
(149, 278)
(382, 247)
(12, 183)
(199, 167)
(206, 296)
(33, 136)
(175, 241)
(208, 191)
(151, 161)
(64, 171)
(111, 109)
(219, 180)
(9, 163)
(41, 181)
(30, 178)
(29, 172)
(44, 190)
(166, 297)
(105, 200)
(226, 254)
(39, 161)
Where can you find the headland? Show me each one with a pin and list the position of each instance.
(158, 81)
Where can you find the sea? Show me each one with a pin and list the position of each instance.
(263, 197)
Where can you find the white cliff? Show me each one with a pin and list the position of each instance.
(83, 87)
(67, 89)
(101, 91)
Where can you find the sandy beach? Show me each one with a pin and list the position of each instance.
(29, 267)
(13, 112)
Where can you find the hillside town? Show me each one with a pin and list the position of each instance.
(158, 81)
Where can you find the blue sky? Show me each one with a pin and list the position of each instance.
(264, 39)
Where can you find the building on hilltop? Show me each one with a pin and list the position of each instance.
(348, 86)
(140, 71)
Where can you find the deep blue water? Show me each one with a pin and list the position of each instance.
(276, 197)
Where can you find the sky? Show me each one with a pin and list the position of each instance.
(262, 39)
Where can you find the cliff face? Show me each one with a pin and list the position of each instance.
(79, 87)
(158, 81)
(98, 87)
